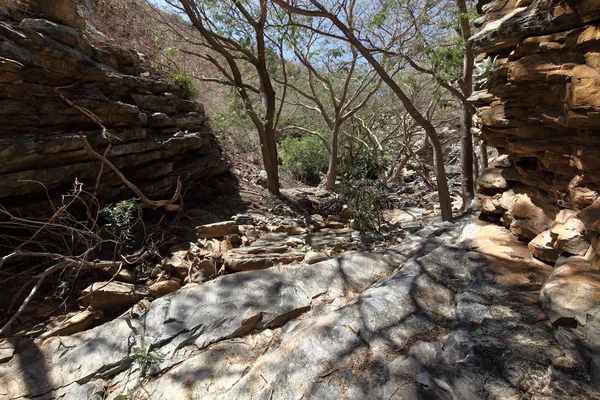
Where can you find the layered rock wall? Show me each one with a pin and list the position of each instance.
(163, 135)
(539, 104)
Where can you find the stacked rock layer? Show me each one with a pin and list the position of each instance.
(162, 134)
(539, 105)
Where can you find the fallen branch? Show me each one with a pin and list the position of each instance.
(65, 262)
(168, 205)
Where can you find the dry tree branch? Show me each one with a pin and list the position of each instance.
(65, 262)
(166, 204)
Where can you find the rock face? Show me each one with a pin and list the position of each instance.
(539, 105)
(451, 313)
(162, 134)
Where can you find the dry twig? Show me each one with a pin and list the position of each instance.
(168, 205)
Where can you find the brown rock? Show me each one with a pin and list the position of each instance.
(7, 350)
(116, 273)
(73, 324)
(217, 230)
(112, 296)
(61, 11)
(582, 196)
(591, 216)
(542, 247)
(571, 290)
(276, 228)
(313, 257)
(492, 178)
(334, 225)
(250, 262)
(295, 230)
(163, 288)
(570, 241)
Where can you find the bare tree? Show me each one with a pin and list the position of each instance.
(233, 35)
(372, 54)
(337, 86)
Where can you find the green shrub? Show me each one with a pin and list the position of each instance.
(366, 195)
(306, 157)
(364, 166)
(367, 199)
(122, 220)
(182, 79)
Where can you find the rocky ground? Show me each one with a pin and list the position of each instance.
(451, 312)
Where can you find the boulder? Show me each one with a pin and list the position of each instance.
(217, 230)
(313, 257)
(491, 178)
(571, 292)
(61, 11)
(590, 216)
(163, 288)
(542, 247)
(112, 296)
(569, 240)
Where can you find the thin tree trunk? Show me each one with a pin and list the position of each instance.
(475, 166)
(484, 155)
(466, 157)
(332, 170)
(466, 116)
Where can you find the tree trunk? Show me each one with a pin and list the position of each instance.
(466, 157)
(484, 155)
(466, 116)
(475, 166)
(332, 170)
(269, 154)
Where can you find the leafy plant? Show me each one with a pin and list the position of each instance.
(366, 195)
(306, 157)
(122, 220)
(367, 199)
(142, 358)
(486, 72)
(364, 166)
(183, 79)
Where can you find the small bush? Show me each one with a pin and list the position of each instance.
(122, 220)
(182, 79)
(366, 196)
(364, 166)
(306, 157)
(367, 199)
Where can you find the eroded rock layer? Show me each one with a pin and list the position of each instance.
(162, 134)
(539, 104)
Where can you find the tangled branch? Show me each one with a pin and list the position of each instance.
(168, 205)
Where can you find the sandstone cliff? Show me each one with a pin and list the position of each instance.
(163, 135)
(539, 104)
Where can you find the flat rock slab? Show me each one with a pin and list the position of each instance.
(452, 313)
(460, 322)
(196, 316)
